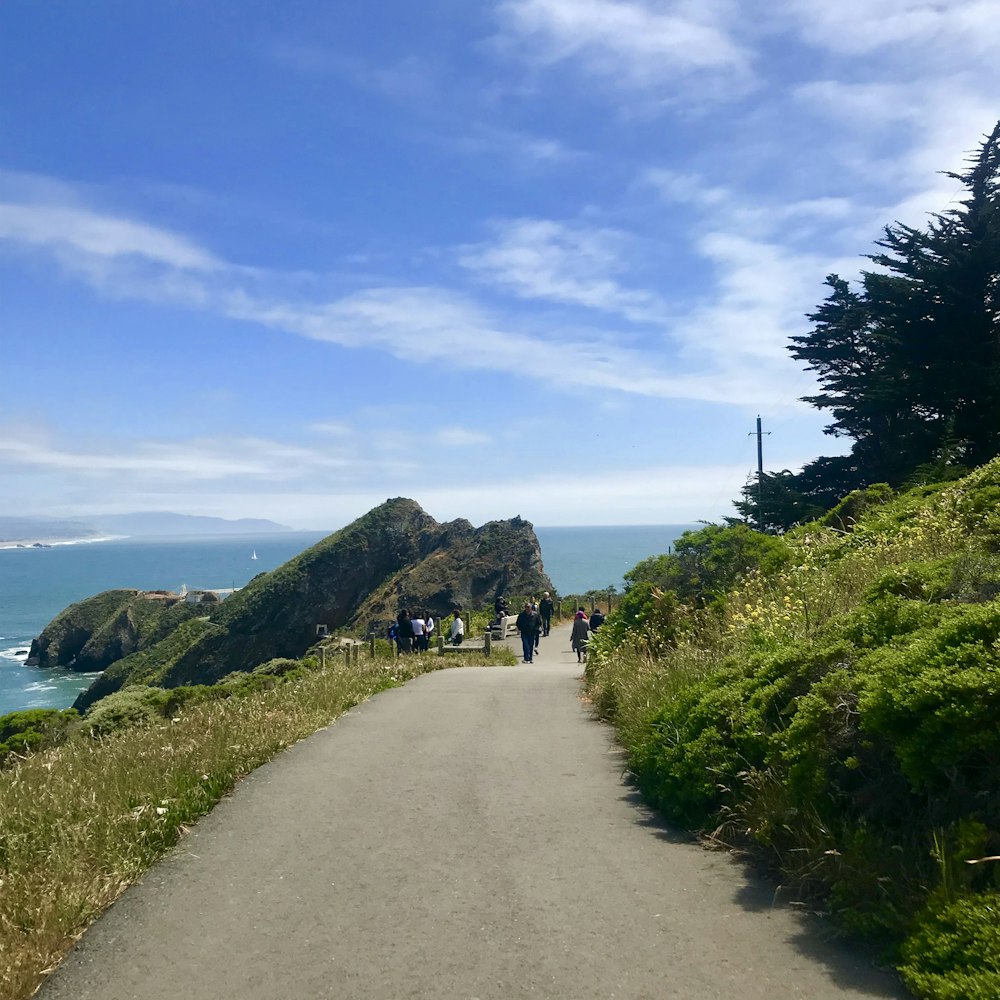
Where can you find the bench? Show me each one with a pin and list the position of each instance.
(504, 628)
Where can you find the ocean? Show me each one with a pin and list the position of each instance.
(37, 583)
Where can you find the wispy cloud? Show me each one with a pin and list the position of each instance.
(864, 26)
(634, 42)
(460, 437)
(92, 234)
(533, 259)
(195, 460)
(556, 262)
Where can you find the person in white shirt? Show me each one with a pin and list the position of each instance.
(457, 630)
(418, 633)
(428, 629)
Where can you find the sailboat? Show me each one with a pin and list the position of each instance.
(254, 556)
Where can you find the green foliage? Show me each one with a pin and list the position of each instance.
(34, 729)
(645, 615)
(708, 562)
(839, 709)
(846, 513)
(125, 709)
(954, 951)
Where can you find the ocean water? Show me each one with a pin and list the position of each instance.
(36, 584)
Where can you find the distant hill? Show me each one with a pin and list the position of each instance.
(165, 523)
(141, 524)
(49, 529)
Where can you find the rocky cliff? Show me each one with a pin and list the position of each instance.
(395, 555)
(92, 634)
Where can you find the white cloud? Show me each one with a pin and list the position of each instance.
(854, 27)
(535, 259)
(684, 188)
(555, 262)
(460, 437)
(631, 41)
(99, 236)
(181, 463)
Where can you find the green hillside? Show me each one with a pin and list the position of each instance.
(837, 709)
(394, 556)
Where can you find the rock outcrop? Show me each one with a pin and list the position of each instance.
(395, 555)
(92, 634)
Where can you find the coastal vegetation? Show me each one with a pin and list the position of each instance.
(830, 701)
(827, 696)
(357, 579)
(82, 819)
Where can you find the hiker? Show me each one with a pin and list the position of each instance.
(404, 632)
(580, 635)
(428, 630)
(529, 624)
(596, 619)
(545, 607)
(457, 629)
(418, 632)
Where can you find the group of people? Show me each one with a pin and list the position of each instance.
(412, 631)
(535, 622)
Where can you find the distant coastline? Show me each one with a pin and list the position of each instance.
(51, 543)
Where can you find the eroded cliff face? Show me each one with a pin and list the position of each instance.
(468, 568)
(92, 634)
(395, 555)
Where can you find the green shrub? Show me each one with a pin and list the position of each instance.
(34, 729)
(918, 581)
(131, 706)
(954, 951)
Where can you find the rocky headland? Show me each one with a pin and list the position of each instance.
(357, 578)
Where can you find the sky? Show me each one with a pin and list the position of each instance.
(535, 257)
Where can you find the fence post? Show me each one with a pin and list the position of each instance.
(440, 645)
(322, 657)
(356, 653)
(488, 642)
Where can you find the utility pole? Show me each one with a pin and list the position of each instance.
(760, 476)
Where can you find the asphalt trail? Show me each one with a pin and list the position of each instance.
(467, 836)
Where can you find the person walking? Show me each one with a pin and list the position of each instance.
(596, 619)
(404, 632)
(428, 630)
(545, 608)
(418, 631)
(580, 635)
(529, 624)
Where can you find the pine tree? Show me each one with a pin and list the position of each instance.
(909, 366)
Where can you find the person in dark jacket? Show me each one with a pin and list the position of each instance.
(545, 606)
(596, 619)
(580, 636)
(404, 632)
(529, 624)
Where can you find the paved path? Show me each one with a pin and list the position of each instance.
(466, 836)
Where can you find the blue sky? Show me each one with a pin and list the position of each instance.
(536, 257)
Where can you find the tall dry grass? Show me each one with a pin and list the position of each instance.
(81, 822)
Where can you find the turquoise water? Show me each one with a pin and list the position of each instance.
(36, 584)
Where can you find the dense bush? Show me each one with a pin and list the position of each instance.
(33, 729)
(838, 706)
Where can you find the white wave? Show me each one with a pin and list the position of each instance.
(12, 653)
(33, 544)
(90, 541)
(42, 686)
